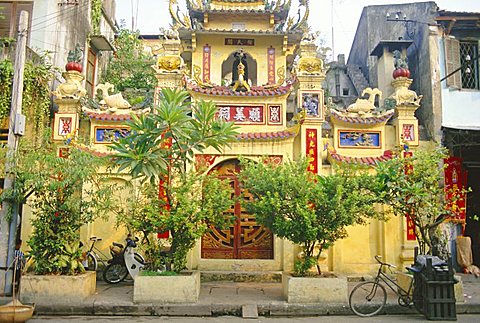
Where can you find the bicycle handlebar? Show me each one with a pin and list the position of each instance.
(378, 257)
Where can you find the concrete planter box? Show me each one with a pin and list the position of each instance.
(315, 289)
(184, 288)
(61, 288)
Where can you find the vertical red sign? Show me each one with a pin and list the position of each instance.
(410, 225)
(271, 65)
(312, 150)
(455, 182)
(206, 63)
(162, 194)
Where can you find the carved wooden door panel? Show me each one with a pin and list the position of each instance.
(245, 239)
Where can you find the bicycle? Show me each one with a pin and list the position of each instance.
(369, 298)
(92, 256)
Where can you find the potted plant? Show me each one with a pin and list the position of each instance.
(64, 194)
(157, 153)
(312, 211)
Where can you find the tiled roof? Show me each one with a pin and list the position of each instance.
(260, 32)
(103, 116)
(256, 91)
(93, 151)
(239, 10)
(371, 120)
(278, 135)
(387, 155)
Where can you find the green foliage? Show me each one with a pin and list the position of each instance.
(420, 193)
(130, 69)
(158, 150)
(36, 90)
(157, 273)
(67, 193)
(96, 16)
(307, 209)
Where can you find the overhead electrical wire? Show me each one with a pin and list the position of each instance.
(64, 13)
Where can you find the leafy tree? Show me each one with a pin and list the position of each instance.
(414, 186)
(66, 193)
(158, 151)
(130, 68)
(308, 209)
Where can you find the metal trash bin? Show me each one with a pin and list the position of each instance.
(434, 294)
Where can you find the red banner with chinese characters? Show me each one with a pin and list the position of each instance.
(207, 54)
(410, 226)
(271, 65)
(312, 150)
(253, 114)
(455, 182)
(162, 194)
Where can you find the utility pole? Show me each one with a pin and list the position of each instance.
(15, 129)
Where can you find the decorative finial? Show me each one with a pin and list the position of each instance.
(401, 65)
(74, 59)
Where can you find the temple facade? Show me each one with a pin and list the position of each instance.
(258, 62)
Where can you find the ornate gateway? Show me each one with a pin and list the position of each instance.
(245, 239)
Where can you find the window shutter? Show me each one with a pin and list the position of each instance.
(452, 62)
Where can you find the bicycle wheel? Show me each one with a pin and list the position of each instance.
(367, 299)
(91, 262)
(115, 273)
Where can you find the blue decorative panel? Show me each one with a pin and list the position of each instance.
(107, 135)
(359, 139)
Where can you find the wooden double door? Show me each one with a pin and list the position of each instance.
(245, 238)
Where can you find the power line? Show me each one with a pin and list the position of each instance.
(55, 12)
(59, 14)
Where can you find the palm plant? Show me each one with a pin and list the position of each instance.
(158, 151)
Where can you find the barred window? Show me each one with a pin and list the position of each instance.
(470, 73)
(462, 64)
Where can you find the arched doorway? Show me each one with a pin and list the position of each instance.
(227, 69)
(245, 239)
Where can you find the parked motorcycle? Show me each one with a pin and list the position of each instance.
(124, 261)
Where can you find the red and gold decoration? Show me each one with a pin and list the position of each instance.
(64, 124)
(242, 114)
(410, 225)
(204, 161)
(312, 150)
(455, 183)
(274, 114)
(271, 65)
(162, 193)
(207, 55)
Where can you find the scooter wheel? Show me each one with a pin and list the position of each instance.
(115, 273)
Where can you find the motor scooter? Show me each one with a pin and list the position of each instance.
(124, 261)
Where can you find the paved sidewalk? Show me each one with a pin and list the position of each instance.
(227, 298)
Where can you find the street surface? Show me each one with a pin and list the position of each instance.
(232, 319)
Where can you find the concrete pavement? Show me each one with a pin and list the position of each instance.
(228, 298)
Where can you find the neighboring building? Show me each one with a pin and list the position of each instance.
(344, 83)
(458, 84)
(442, 49)
(56, 26)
